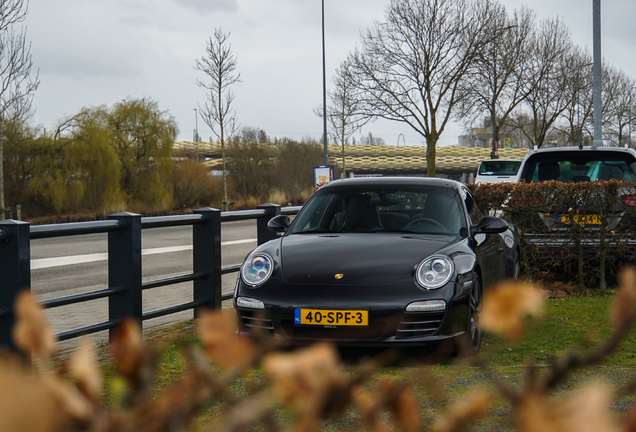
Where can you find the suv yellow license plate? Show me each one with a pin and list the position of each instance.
(331, 317)
(581, 219)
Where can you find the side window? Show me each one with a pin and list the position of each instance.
(474, 213)
(315, 214)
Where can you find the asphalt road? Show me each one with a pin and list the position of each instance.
(68, 265)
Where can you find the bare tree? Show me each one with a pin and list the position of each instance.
(495, 85)
(546, 80)
(219, 64)
(409, 68)
(16, 85)
(251, 135)
(372, 140)
(618, 89)
(344, 113)
(578, 87)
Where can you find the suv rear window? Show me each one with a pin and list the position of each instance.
(579, 166)
(499, 167)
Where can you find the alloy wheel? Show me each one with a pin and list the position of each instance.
(475, 307)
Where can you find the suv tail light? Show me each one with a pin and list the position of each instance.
(628, 200)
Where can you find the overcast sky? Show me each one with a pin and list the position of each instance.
(91, 52)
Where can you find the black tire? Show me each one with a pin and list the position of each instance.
(474, 306)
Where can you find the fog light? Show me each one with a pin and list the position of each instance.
(426, 306)
(250, 303)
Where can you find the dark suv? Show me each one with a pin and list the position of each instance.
(594, 215)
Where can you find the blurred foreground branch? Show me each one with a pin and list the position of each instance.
(310, 384)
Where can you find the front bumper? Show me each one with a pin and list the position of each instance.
(388, 322)
(406, 329)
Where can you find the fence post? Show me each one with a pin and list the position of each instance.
(15, 273)
(124, 268)
(262, 232)
(206, 253)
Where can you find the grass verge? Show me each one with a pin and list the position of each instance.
(574, 323)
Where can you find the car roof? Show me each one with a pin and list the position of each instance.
(577, 149)
(393, 181)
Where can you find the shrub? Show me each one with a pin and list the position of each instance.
(193, 186)
(554, 232)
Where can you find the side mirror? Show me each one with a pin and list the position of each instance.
(279, 224)
(490, 225)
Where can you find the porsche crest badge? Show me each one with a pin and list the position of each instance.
(339, 275)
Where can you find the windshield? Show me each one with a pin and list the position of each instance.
(499, 168)
(411, 209)
(579, 166)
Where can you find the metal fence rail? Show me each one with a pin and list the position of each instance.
(125, 284)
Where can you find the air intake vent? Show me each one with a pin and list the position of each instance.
(419, 325)
(256, 322)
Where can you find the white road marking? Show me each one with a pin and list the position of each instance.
(43, 263)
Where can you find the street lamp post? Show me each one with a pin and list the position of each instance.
(629, 124)
(629, 140)
(578, 104)
(196, 131)
(578, 123)
(493, 112)
(324, 92)
(597, 95)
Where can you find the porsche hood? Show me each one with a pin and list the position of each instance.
(354, 259)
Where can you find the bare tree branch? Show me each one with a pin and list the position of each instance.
(16, 84)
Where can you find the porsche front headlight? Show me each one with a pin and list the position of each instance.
(435, 271)
(257, 268)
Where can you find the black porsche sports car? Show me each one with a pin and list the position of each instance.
(377, 261)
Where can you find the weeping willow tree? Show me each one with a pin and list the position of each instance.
(143, 136)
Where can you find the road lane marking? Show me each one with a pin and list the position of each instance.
(43, 263)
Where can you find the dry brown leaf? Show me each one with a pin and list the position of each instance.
(370, 404)
(624, 302)
(305, 373)
(475, 406)
(505, 306)
(37, 403)
(399, 399)
(128, 347)
(220, 340)
(25, 404)
(586, 411)
(31, 333)
(71, 402)
(404, 406)
(83, 366)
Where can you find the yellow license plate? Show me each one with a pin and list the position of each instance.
(331, 317)
(581, 219)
